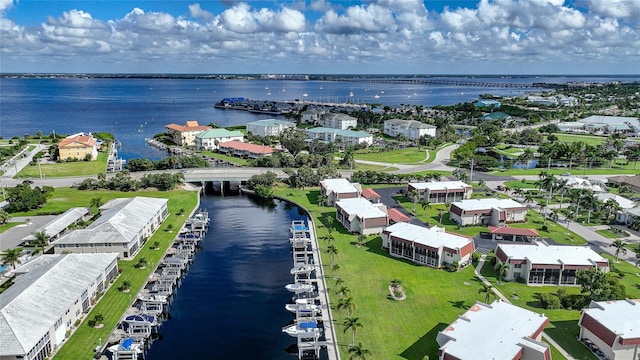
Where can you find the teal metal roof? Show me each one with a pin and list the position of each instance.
(216, 133)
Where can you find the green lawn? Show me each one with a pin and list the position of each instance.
(404, 156)
(587, 139)
(114, 303)
(609, 234)
(231, 159)
(9, 225)
(366, 167)
(78, 168)
(391, 329)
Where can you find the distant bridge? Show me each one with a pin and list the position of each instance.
(230, 174)
(446, 82)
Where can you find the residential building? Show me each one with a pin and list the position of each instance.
(411, 129)
(489, 211)
(612, 327)
(59, 226)
(627, 216)
(358, 215)
(269, 127)
(312, 116)
(494, 116)
(513, 234)
(396, 216)
(48, 296)
(538, 263)
(124, 226)
(492, 104)
(622, 201)
(245, 150)
(79, 146)
(212, 138)
(338, 121)
(185, 135)
(600, 124)
(497, 331)
(631, 181)
(441, 192)
(338, 189)
(371, 195)
(575, 182)
(427, 246)
(346, 137)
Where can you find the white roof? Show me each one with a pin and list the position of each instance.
(622, 201)
(488, 203)
(493, 331)
(338, 186)
(619, 316)
(40, 297)
(410, 123)
(57, 225)
(539, 253)
(361, 207)
(434, 237)
(439, 185)
(582, 183)
(610, 120)
(121, 221)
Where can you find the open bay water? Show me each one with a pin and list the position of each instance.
(135, 109)
(231, 302)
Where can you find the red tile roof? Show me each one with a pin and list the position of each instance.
(85, 140)
(370, 194)
(242, 146)
(191, 125)
(396, 216)
(505, 230)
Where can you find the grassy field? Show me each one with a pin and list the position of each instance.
(608, 234)
(9, 225)
(587, 139)
(366, 167)
(78, 168)
(231, 159)
(114, 303)
(391, 329)
(404, 156)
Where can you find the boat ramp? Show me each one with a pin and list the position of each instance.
(312, 326)
(138, 327)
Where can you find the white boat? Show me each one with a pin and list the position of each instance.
(305, 94)
(376, 96)
(153, 298)
(128, 346)
(302, 269)
(299, 288)
(303, 330)
(304, 306)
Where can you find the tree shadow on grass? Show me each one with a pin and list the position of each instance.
(312, 196)
(535, 303)
(459, 304)
(426, 345)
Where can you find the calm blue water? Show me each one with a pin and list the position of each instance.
(133, 109)
(231, 303)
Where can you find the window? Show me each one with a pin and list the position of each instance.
(517, 266)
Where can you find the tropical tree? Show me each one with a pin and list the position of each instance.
(415, 196)
(332, 251)
(4, 216)
(488, 290)
(361, 239)
(624, 189)
(335, 268)
(610, 206)
(11, 256)
(502, 268)
(338, 280)
(358, 352)
(440, 214)
(347, 304)
(620, 248)
(323, 200)
(329, 237)
(42, 239)
(352, 323)
(425, 204)
(343, 291)
(96, 202)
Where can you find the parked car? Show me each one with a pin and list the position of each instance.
(566, 173)
(500, 188)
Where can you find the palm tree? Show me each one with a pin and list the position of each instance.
(335, 268)
(426, 205)
(42, 239)
(488, 290)
(322, 200)
(502, 268)
(361, 239)
(343, 291)
(11, 256)
(620, 248)
(347, 304)
(611, 205)
(562, 187)
(329, 237)
(96, 202)
(415, 195)
(339, 281)
(440, 214)
(333, 252)
(358, 352)
(623, 189)
(4, 216)
(352, 323)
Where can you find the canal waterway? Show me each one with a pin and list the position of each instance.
(231, 302)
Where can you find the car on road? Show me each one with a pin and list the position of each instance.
(566, 173)
(500, 188)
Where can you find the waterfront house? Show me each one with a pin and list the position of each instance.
(338, 189)
(269, 127)
(411, 129)
(48, 296)
(360, 216)
(441, 192)
(496, 331)
(185, 135)
(346, 137)
(539, 263)
(489, 211)
(613, 328)
(123, 227)
(485, 103)
(338, 121)
(211, 139)
(427, 246)
(59, 226)
(312, 116)
(244, 150)
(79, 146)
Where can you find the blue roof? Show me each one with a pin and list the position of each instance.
(126, 343)
(308, 325)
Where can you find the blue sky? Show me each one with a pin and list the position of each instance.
(322, 36)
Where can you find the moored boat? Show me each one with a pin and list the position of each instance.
(299, 288)
(307, 329)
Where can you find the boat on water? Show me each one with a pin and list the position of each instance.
(127, 349)
(304, 306)
(153, 298)
(307, 329)
(305, 94)
(302, 269)
(376, 96)
(299, 288)
(141, 318)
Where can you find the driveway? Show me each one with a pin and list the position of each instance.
(12, 238)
